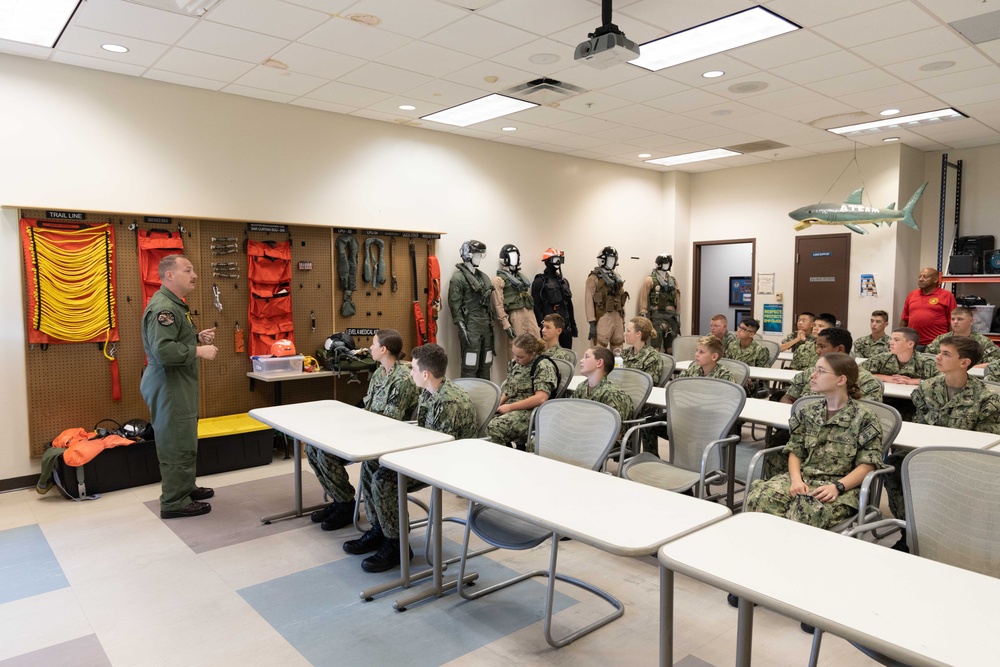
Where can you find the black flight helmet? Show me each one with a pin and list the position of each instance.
(664, 262)
(470, 248)
(608, 253)
(514, 263)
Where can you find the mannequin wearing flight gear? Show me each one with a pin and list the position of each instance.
(551, 294)
(512, 300)
(659, 300)
(469, 297)
(606, 297)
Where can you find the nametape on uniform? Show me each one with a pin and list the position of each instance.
(165, 317)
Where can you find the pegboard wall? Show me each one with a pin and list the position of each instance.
(69, 385)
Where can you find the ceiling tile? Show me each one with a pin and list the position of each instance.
(587, 77)
(903, 17)
(787, 97)
(354, 39)
(622, 133)
(948, 83)
(195, 63)
(479, 36)
(413, 19)
(592, 103)
(725, 109)
(543, 18)
(347, 95)
(97, 63)
(676, 15)
(385, 78)
(631, 115)
(822, 67)
(427, 59)
(521, 56)
(476, 75)
(543, 116)
(964, 59)
(813, 111)
(223, 40)
(815, 12)
(742, 88)
(322, 106)
(686, 101)
(314, 61)
(991, 49)
(911, 46)
(588, 126)
(280, 81)
(706, 132)
(854, 83)
(445, 93)
(132, 20)
(668, 124)
(86, 42)
(637, 31)
(691, 73)
(645, 88)
(784, 49)
(391, 105)
(953, 10)
(960, 98)
(560, 138)
(260, 94)
(183, 79)
(269, 17)
(883, 97)
(328, 6)
(27, 50)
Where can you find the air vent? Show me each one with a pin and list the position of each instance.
(186, 7)
(756, 147)
(544, 91)
(979, 29)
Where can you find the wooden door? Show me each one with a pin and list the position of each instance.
(822, 275)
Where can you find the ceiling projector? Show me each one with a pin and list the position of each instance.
(607, 49)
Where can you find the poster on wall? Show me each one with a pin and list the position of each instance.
(772, 319)
(868, 287)
(739, 290)
(765, 283)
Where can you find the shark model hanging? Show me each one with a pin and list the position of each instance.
(852, 213)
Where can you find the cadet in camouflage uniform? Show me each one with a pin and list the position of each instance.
(512, 301)
(953, 399)
(659, 300)
(391, 393)
(828, 455)
(718, 326)
(746, 349)
(170, 386)
(992, 372)
(527, 386)
(552, 330)
(595, 364)
(470, 294)
(901, 365)
(605, 301)
(867, 347)
(961, 325)
(642, 355)
(443, 407)
(706, 358)
(800, 342)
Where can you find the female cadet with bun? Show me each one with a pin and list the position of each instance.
(638, 332)
(531, 380)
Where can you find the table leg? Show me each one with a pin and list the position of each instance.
(277, 393)
(744, 633)
(731, 473)
(666, 617)
(299, 510)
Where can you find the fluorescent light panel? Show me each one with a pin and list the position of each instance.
(38, 22)
(899, 123)
(685, 158)
(476, 111)
(729, 32)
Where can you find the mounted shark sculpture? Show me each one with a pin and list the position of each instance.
(852, 213)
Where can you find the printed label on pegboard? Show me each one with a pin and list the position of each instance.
(65, 215)
(261, 227)
(158, 220)
(344, 230)
(361, 332)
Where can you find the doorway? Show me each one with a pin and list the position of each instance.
(822, 265)
(721, 271)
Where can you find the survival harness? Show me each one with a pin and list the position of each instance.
(433, 294)
(347, 270)
(269, 269)
(555, 367)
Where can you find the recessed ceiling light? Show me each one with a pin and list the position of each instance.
(937, 65)
(407, 107)
(38, 22)
(888, 112)
(509, 128)
(478, 110)
(748, 87)
(544, 58)
(114, 48)
(739, 29)
(645, 155)
(888, 139)
(714, 74)
(900, 123)
(698, 156)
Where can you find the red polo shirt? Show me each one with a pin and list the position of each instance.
(929, 314)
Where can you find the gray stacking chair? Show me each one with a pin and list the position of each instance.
(577, 433)
(739, 370)
(573, 354)
(485, 396)
(638, 385)
(702, 413)
(565, 375)
(773, 350)
(669, 363)
(992, 386)
(684, 347)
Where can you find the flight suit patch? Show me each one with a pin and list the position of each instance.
(165, 317)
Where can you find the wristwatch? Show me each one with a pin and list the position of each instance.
(840, 487)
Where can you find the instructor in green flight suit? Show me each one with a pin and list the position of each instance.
(170, 386)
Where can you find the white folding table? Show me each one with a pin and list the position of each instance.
(929, 614)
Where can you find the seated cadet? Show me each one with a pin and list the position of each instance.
(953, 399)
(867, 347)
(595, 364)
(552, 327)
(443, 407)
(391, 393)
(638, 332)
(992, 372)
(823, 321)
(901, 364)
(719, 327)
(706, 361)
(746, 349)
(531, 380)
(800, 342)
(832, 339)
(961, 325)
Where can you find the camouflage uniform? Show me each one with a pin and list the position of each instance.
(991, 352)
(975, 408)
(754, 354)
(803, 353)
(520, 384)
(448, 410)
(829, 450)
(728, 339)
(871, 388)
(866, 347)
(888, 364)
(647, 359)
(992, 372)
(559, 352)
(610, 394)
(390, 394)
(720, 372)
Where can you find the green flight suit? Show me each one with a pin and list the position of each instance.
(469, 298)
(170, 388)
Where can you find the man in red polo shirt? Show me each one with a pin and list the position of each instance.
(928, 309)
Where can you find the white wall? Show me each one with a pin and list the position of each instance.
(718, 264)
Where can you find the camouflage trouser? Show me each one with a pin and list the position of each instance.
(772, 496)
(511, 427)
(776, 463)
(610, 331)
(894, 485)
(667, 325)
(650, 436)
(331, 473)
(380, 487)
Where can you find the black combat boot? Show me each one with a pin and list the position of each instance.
(342, 515)
(368, 542)
(386, 558)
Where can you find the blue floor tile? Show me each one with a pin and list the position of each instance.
(27, 565)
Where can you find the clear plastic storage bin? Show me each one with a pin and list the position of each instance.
(982, 318)
(276, 365)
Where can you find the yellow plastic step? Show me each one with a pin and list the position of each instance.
(214, 427)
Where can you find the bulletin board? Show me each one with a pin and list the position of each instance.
(69, 385)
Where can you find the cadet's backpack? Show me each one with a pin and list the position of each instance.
(555, 367)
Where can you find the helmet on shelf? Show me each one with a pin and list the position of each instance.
(282, 348)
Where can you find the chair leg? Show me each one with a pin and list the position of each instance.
(814, 653)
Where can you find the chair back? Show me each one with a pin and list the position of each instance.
(575, 359)
(485, 397)
(667, 371)
(684, 347)
(565, 375)
(773, 350)
(928, 355)
(739, 369)
(887, 415)
(637, 384)
(953, 506)
(992, 386)
(575, 431)
(700, 410)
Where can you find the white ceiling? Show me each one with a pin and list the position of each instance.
(852, 59)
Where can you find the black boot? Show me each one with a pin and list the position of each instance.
(386, 558)
(322, 514)
(370, 541)
(901, 544)
(342, 515)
